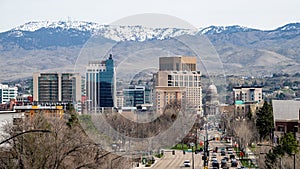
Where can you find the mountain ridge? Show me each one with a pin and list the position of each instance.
(53, 45)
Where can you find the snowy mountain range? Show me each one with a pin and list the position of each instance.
(113, 32)
(68, 33)
(49, 45)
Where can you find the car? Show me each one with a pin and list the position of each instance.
(230, 152)
(214, 159)
(223, 163)
(223, 153)
(232, 156)
(223, 160)
(187, 163)
(233, 164)
(215, 164)
(214, 154)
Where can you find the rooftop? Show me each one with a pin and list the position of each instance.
(286, 109)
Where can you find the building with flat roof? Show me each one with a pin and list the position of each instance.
(169, 96)
(56, 87)
(247, 93)
(136, 95)
(179, 72)
(247, 99)
(100, 84)
(177, 63)
(7, 93)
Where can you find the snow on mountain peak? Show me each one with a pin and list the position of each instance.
(291, 26)
(114, 32)
(223, 29)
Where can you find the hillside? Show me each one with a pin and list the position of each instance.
(58, 46)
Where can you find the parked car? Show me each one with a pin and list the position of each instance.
(187, 163)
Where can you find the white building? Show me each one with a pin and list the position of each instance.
(7, 93)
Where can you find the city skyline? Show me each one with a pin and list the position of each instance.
(254, 14)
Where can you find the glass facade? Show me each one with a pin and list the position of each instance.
(100, 83)
(134, 96)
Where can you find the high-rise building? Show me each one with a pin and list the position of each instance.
(173, 96)
(101, 84)
(57, 87)
(7, 93)
(180, 72)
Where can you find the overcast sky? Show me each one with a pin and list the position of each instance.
(262, 14)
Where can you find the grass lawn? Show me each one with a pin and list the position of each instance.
(246, 163)
(184, 147)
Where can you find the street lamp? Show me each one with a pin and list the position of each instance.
(192, 145)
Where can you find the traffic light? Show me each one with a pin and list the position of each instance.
(183, 152)
(173, 152)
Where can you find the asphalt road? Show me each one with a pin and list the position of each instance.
(170, 161)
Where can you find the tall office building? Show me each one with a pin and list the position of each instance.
(7, 93)
(179, 72)
(101, 84)
(57, 87)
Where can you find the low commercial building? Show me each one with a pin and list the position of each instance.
(286, 116)
(247, 99)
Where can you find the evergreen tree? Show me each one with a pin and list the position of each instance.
(265, 122)
(288, 145)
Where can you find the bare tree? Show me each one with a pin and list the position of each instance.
(66, 146)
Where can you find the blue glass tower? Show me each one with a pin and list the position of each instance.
(100, 84)
(107, 84)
